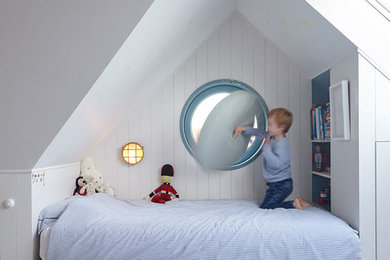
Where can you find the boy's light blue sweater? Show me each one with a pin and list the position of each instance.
(276, 157)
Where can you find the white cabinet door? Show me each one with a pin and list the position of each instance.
(382, 200)
(382, 108)
(7, 217)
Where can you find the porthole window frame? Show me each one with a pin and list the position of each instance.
(205, 91)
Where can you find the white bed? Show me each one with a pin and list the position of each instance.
(44, 242)
(102, 227)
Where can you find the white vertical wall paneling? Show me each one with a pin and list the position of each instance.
(23, 216)
(344, 203)
(225, 61)
(382, 203)
(236, 73)
(191, 165)
(238, 51)
(305, 143)
(99, 157)
(382, 85)
(156, 138)
(248, 178)
(382, 108)
(129, 170)
(259, 64)
(169, 125)
(282, 86)
(113, 155)
(133, 171)
(8, 242)
(294, 132)
(282, 99)
(180, 151)
(202, 78)
(18, 224)
(145, 167)
(366, 95)
(270, 77)
(123, 170)
(259, 86)
(213, 74)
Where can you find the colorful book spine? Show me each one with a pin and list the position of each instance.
(327, 122)
(312, 122)
(320, 122)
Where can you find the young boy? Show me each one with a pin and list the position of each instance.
(276, 160)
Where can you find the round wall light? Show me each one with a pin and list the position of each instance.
(132, 153)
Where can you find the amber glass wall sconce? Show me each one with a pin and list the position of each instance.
(132, 153)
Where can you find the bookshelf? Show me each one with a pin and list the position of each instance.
(322, 174)
(320, 138)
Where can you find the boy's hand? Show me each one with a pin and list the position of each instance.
(267, 140)
(238, 130)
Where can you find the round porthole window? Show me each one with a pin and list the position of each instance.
(202, 102)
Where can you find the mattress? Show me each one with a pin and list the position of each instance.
(103, 227)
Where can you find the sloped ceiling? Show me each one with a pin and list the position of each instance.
(51, 53)
(364, 23)
(300, 31)
(167, 34)
(56, 53)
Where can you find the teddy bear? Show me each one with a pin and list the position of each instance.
(92, 185)
(91, 180)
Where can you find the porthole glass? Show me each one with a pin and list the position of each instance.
(202, 101)
(202, 111)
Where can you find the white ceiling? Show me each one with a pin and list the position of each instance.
(51, 53)
(55, 59)
(299, 31)
(167, 35)
(367, 27)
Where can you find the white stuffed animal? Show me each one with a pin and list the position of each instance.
(93, 179)
(91, 185)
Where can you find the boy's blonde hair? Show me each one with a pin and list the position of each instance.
(282, 117)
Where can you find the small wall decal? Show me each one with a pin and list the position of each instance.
(38, 178)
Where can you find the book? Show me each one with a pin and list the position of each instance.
(320, 122)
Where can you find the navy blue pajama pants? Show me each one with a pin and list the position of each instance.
(277, 192)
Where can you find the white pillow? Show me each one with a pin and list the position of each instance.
(218, 147)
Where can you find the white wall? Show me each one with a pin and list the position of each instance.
(382, 201)
(236, 50)
(53, 184)
(31, 191)
(162, 40)
(345, 171)
(374, 89)
(382, 137)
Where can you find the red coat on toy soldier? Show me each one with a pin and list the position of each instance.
(165, 188)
